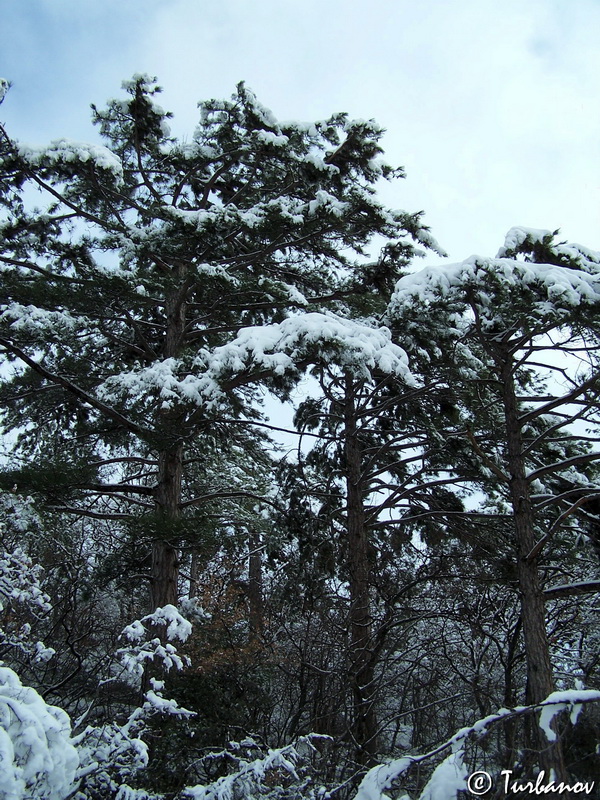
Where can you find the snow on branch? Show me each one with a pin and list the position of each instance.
(533, 290)
(315, 336)
(40, 322)
(450, 773)
(135, 657)
(37, 757)
(113, 753)
(262, 776)
(177, 626)
(20, 585)
(572, 589)
(562, 286)
(279, 349)
(519, 236)
(66, 151)
(570, 700)
(108, 755)
(527, 240)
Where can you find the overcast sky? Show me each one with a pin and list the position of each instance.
(492, 107)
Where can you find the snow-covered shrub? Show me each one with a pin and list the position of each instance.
(37, 756)
(113, 754)
(247, 770)
(21, 598)
(143, 650)
(451, 774)
(109, 755)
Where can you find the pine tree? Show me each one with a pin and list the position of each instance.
(122, 292)
(518, 340)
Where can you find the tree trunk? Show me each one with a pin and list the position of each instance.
(255, 586)
(362, 677)
(540, 678)
(165, 555)
(194, 571)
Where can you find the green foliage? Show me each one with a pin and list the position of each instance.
(148, 263)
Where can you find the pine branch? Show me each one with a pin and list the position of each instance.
(75, 390)
(564, 400)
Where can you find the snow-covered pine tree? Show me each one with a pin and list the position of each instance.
(145, 257)
(518, 342)
(373, 459)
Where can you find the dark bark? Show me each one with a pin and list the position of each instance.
(194, 571)
(540, 678)
(165, 555)
(361, 666)
(255, 586)
(509, 700)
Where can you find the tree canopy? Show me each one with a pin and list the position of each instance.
(186, 611)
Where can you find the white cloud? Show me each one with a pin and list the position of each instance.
(491, 107)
